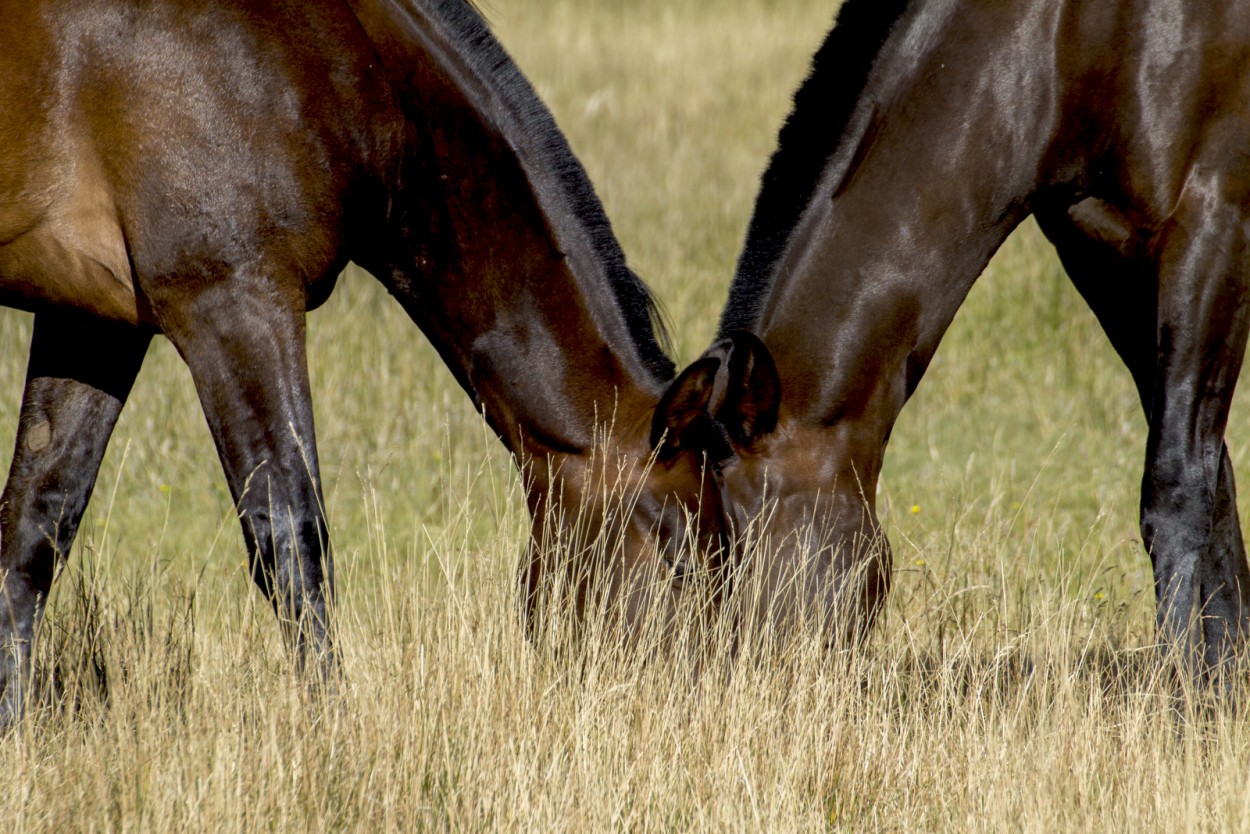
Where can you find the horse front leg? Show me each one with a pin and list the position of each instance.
(1188, 509)
(80, 373)
(1122, 289)
(247, 358)
(1224, 592)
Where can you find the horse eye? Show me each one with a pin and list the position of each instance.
(680, 568)
(676, 557)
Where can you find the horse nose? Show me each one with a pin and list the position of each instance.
(821, 583)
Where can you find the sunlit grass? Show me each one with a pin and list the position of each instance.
(1011, 684)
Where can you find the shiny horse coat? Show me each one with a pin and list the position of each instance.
(205, 171)
(925, 132)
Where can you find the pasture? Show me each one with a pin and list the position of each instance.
(1007, 686)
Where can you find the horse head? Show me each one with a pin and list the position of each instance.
(802, 554)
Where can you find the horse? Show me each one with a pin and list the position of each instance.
(205, 172)
(924, 133)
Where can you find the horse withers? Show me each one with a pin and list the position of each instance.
(205, 171)
(925, 132)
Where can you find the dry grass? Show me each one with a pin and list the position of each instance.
(1010, 685)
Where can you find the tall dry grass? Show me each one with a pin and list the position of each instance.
(1010, 685)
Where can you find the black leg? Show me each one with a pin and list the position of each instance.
(1200, 341)
(81, 371)
(1123, 290)
(247, 358)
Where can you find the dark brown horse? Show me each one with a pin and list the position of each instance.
(204, 171)
(925, 132)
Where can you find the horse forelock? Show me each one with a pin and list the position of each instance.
(822, 109)
(638, 306)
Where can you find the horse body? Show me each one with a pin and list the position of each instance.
(205, 172)
(1123, 127)
(144, 135)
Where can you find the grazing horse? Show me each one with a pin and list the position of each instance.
(924, 133)
(205, 171)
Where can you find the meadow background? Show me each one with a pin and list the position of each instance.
(1007, 687)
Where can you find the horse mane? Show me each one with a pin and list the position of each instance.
(638, 305)
(823, 106)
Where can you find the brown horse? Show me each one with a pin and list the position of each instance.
(925, 132)
(204, 171)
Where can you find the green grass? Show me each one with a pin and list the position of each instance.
(1006, 687)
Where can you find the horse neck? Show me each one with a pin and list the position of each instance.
(490, 251)
(938, 164)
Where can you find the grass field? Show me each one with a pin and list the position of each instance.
(1008, 686)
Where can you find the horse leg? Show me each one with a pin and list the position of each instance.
(247, 359)
(1200, 341)
(1225, 583)
(80, 373)
(1122, 291)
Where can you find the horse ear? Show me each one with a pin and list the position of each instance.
(752, 390)
(734, 384)
(687, 401)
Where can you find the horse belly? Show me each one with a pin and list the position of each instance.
(61, 240)
(70, 265)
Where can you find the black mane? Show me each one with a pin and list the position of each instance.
(637, 304)
(822, 107)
